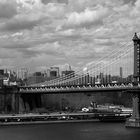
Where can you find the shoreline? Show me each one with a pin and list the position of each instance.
(46, 122)
(23, 119)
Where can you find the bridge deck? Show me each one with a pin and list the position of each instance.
(81, 88)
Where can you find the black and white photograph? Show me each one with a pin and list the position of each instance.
(69, 69)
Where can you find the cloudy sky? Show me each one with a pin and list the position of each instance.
(40, 33)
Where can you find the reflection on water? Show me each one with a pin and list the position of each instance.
(70, 131)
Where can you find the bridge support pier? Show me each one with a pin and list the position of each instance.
(17, 103)
(134, 121)
(5, 103)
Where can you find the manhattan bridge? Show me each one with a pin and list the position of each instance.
(96, 77)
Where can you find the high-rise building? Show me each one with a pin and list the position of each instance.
(121, 72)
(1, 77)
(22, 73)
(71, 73)
(53, 72)
(1, 71)
(35, 78)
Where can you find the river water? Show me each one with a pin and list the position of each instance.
(70, 131)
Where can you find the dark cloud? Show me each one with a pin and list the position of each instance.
(28, 53)
(128, 1)
(63, 1)
(50, 1)
(29, 50)
(7, 10)
(22, 48)
(53, 53)
(13, 45)
(7, 56)
(47, 1)
(15, 25)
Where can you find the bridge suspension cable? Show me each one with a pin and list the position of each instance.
(91, 68)
(62, 79)
(110, 63)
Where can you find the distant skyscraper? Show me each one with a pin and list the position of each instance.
(69, 68)
(121, 72)
(71, 73)
(1, 71)
(22, 73)
(53, 72)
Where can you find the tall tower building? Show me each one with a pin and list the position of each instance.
(121, 72)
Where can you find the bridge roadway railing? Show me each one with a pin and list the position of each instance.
(81, 88)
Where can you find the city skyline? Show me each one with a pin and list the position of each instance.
(36, 34)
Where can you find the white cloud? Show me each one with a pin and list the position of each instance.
(55, 10)
(88, 17)
(29, 3)
(17, 34)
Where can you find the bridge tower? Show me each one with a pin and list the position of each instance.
(134, 121)
(136, 41)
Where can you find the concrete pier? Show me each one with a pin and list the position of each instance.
(134, 121)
